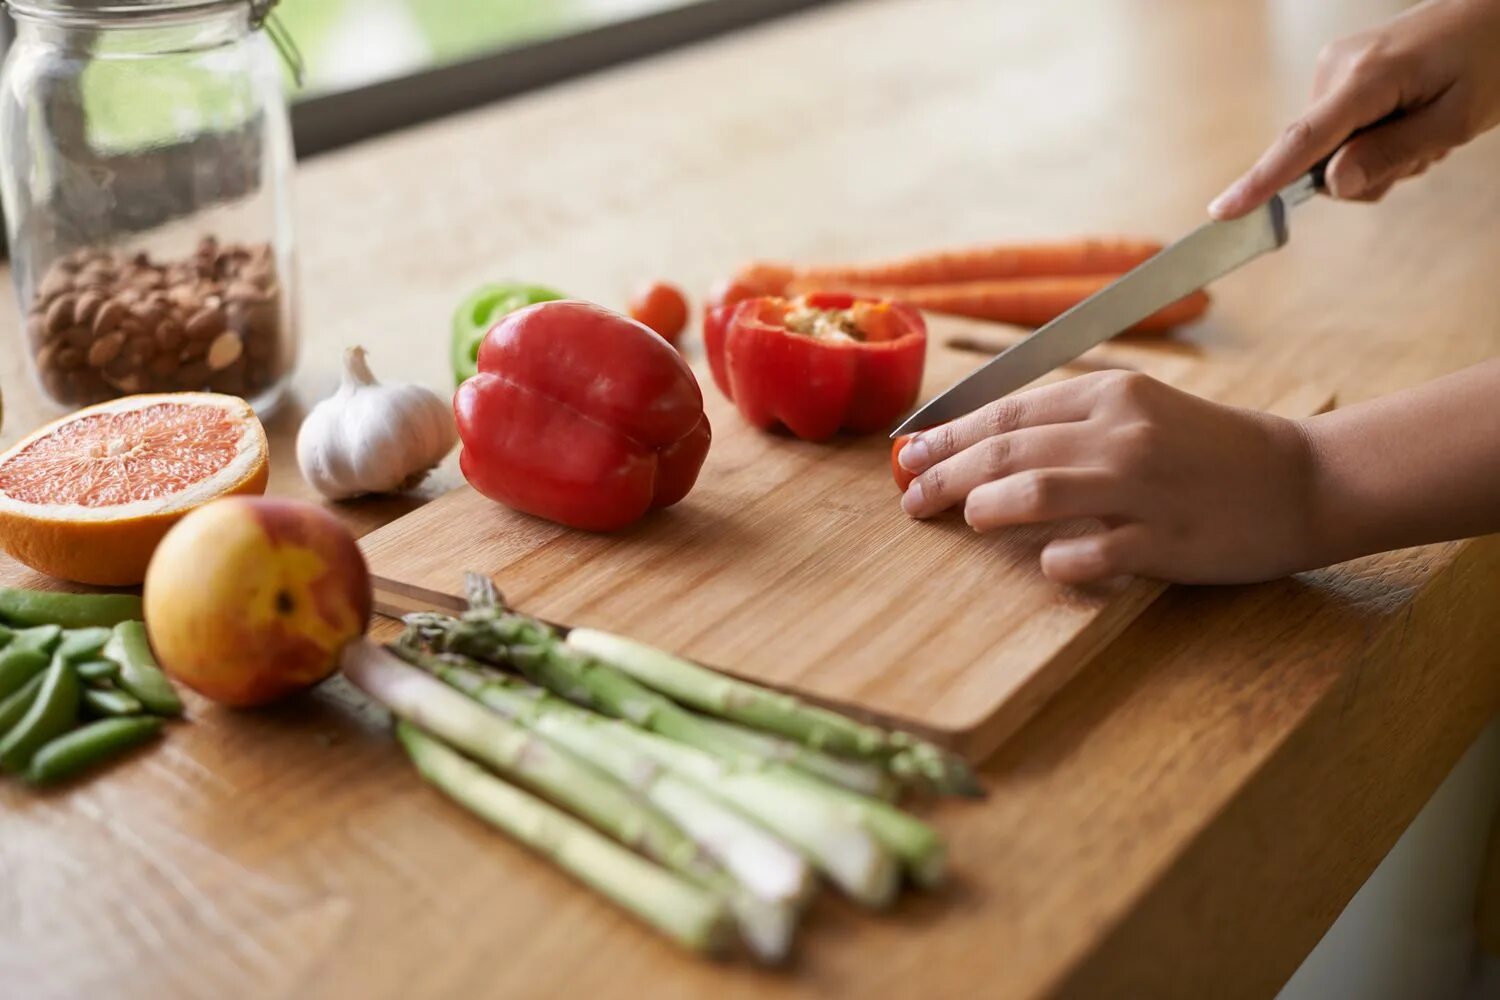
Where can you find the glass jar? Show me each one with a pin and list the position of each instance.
(145, 168)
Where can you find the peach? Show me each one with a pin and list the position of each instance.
(250, 599)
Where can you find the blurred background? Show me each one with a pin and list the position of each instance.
(371, 66)
(353, 43)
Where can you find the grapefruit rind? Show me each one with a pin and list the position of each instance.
(110, 545)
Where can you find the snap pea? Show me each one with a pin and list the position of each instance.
(13, 708)
(109, 701)
(39, 607)
(17, 669)
(52, 713)
(95, 671)
(82, 643)
(88, 747)
(139, 674)
(27, 655)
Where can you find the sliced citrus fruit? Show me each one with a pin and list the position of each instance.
(88, 497)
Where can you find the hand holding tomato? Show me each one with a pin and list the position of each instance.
(1183, 489)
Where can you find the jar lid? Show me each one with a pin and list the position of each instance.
(259, 9)
(261, 16)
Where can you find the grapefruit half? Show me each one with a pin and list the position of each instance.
(88, 497)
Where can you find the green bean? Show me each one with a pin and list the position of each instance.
(53, 713)
(37, 607)
(12, 709)
(95, 671)
(88, 747)
(82, 643)
(108, 701)
(139, 674)
(26, 656)
(5, 635)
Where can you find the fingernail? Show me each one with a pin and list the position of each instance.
(911, 500)
(913, 457)
(1224, 202)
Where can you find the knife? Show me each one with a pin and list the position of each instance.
(1211, 251)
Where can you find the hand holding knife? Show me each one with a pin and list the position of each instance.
(1165, 484)
(1209, 252)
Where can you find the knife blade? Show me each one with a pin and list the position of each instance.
(1209, 252)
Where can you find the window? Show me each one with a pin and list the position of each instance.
(352, 43)
(376, 65)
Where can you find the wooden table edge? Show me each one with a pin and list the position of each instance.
(1261, 879)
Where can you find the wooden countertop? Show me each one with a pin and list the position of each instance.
(1185, 819)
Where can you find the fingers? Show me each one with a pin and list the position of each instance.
(948, 482)
(1332, 118)
(1056, 403)
(1375, 193)
(1092, 558)
(1040, 495)
(1404, 148)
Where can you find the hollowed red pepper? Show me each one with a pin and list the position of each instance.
(581, 416)
(820, 363)
(723, 299)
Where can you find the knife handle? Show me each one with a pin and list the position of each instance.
(1318, 175)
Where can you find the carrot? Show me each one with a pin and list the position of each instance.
(1103, 255)
(1022, 301)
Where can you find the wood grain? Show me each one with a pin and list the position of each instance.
(1487, 908)
(1205, 797)
(789, 565)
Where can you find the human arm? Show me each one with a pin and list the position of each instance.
(1433, 70)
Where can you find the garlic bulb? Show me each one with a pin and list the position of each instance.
(373, 438)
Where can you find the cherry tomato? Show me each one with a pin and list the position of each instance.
(661, 307)
(903, 478)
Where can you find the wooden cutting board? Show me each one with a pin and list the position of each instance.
(792, 564)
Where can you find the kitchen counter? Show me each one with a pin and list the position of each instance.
(1186, 818)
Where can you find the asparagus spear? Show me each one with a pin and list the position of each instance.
(564, 778)
(486, 630)
(862, 874)
(800, 813)
(795, 808)
(761, 862)
(773, 880)
(726, 697)
(916, 845)
(867, 777)
(774, 711)
(537, 650)
(907, 757)
(680, 909)
(523, 757)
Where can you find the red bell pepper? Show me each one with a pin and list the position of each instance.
(720, 305)
(820, 363)
(581, 416)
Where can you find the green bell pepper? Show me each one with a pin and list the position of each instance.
(482, 310)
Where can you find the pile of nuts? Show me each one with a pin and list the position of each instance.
(104, 324)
